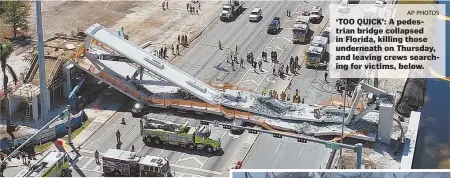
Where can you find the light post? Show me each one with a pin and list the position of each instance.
(343, 122)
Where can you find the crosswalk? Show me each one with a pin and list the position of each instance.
(86, 163)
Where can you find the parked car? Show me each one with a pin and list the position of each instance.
(255, 14)
(237, 131)
(139, 108)
(274, 26)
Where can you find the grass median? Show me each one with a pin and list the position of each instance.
(45, 146)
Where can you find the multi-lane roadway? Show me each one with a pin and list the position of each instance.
(204, 60)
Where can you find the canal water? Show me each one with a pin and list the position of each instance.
(432, 148)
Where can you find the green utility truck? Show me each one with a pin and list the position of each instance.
(53, 164)
(166, 132)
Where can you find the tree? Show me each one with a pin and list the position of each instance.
(16, 14)
(5, 50)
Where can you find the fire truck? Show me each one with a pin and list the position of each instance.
(127, 164)
(53, 164)
(165, 132)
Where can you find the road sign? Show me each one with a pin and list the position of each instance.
(226, 126)
(277, 135)
(252, 131)
(332, 146)
(216, 123)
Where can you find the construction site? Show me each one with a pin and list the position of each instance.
(88, 64)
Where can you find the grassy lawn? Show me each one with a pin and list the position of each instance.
(78, 131)
(47, 145)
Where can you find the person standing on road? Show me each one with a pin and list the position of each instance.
(133, 148)
(24, 157)
(165, 50)
(220, 47)
(264, 91)
(187, 6)
(260, 63)
(178, 39)
(182, 40)
(198, 4)
(286, 70)
(325, 77)
(96, 156)
(118, 136)
(233, 66)
(274, 71)
(241, 62)
(177, 49)
(236, 48)
(172, 49)
(186, 40)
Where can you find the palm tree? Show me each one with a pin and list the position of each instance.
(5, 50)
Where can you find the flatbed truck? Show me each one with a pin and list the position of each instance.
(231, 10)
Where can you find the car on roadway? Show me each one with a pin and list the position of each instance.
(237, 131)
(139, 108)
(274, 26)
(255, 15)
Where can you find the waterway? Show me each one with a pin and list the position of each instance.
(433, 141)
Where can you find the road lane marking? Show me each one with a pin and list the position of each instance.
(161, 153)
(178, 160)
(283, 48)
(140, 148)
(86, 151)
(88, 163)
(195, 169)
(178, 62)
(130, 132)
(190, 158)
(248, 81)
(97, 168)
(83, 169)
(279, 48)
(205, 162)
(266, 47)
(299, 155)
(282, 37)
(278, 147)
(224, 134)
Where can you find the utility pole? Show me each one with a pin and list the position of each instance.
(42, 76)
(343, 123)
(69, 126)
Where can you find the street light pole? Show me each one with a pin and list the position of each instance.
(343, 122)
(69, 126)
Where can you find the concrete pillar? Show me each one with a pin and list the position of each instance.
(35, 108)
(67, 87)
(14, 104)
(384, 130)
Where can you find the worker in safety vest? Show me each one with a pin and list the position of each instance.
(264, 91)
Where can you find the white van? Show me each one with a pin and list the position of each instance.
(255, 14)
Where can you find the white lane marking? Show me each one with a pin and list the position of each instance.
(181, 174)
(263, 79)
(88, 163)
(97, 168)
(178, 62)
(194, 158)
(130, 132)
(86, 151)
(248, 81)
(160, 153)
(278, 147)
(83, 169)
(196, 169)
(180, 158)
(279, 48)
(140, 148)
(282, 37)
(224, 134)
(299, 155)
(204, 162)
(266, 47)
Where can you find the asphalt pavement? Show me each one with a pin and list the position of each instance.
(205, 61)
(285, 153)
(184, 163)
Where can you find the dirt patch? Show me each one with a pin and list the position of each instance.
(142, 21)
